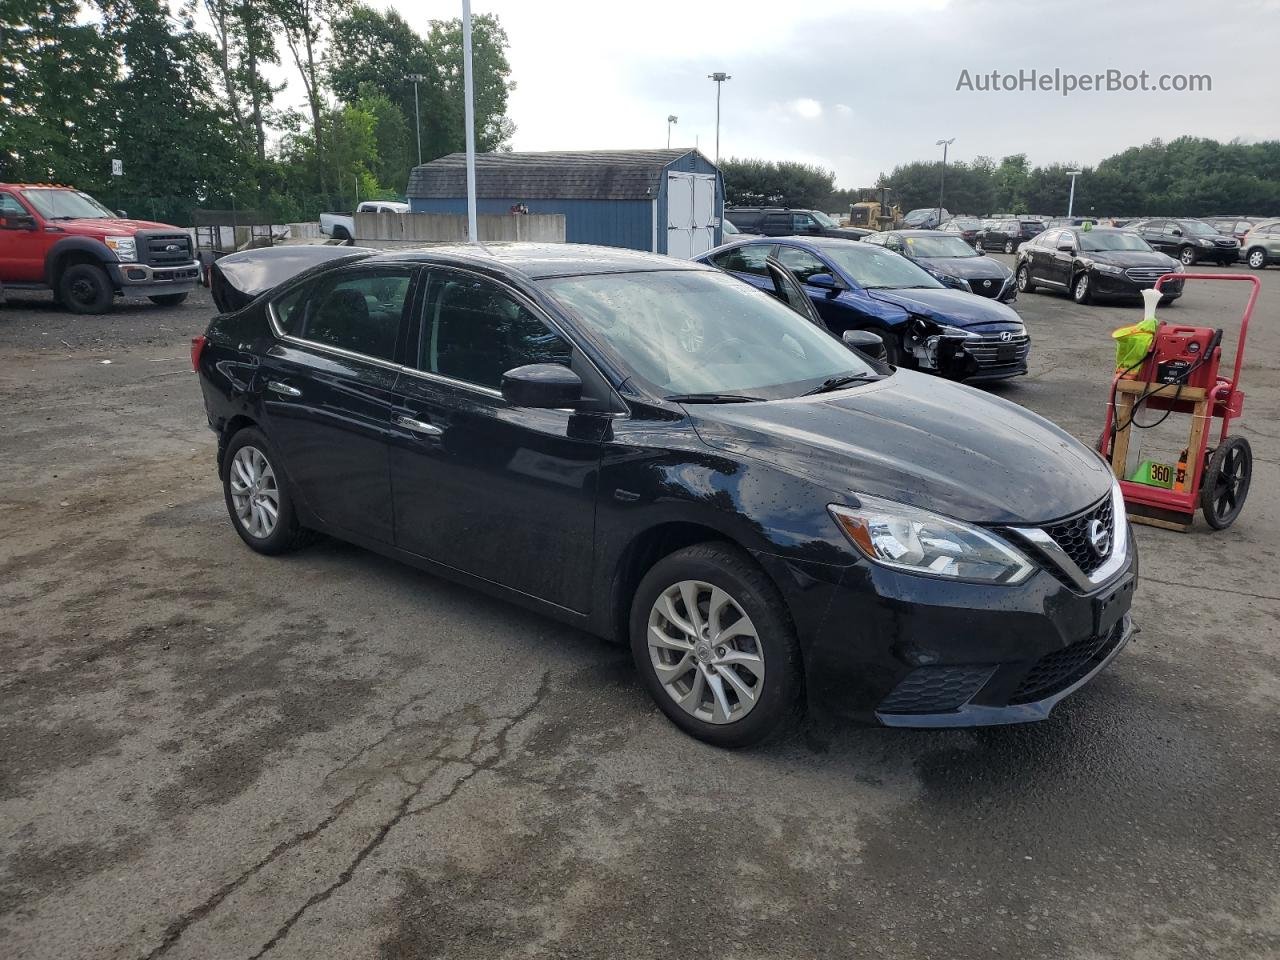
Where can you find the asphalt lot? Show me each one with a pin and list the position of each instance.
(205, 753)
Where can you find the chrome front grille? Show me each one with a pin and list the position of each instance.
(1145, 274)
(991, 351)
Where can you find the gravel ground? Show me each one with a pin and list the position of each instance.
(206, 753)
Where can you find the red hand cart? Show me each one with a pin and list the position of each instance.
(1180, 375)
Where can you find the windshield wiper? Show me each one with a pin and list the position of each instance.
(712, 398)
(835, 383)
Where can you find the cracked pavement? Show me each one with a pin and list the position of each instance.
(205, 753)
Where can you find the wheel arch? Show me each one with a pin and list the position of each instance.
(644, 550)
(229, 429)
(72, 250)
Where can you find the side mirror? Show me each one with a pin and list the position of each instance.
(824, 280)
(21, 221)
(866, 343)
(122, 214)
(542, 385)
(1067, 247)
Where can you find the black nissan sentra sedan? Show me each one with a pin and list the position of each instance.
(658, 453)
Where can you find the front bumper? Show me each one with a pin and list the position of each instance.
(143, 279)
(898, 649)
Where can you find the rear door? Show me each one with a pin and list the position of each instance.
(327, 391)
(776, 225)
(503, 493)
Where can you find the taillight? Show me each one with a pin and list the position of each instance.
(197, 348)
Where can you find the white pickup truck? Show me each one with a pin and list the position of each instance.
(342, 226)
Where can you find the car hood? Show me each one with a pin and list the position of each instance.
(1129, 258)
(956, 308)
(111, 227)
(967, 268)
(916, 439)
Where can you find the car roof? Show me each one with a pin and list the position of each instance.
(536, 261)
(915, 233)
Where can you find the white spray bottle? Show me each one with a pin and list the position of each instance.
(1150, 299)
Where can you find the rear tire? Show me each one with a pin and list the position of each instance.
(1188, 256)
(340, 233)
(1009, 247)
(1257, 259)
(169, 299)
(258, 497)
(85, 288)
(738, 690)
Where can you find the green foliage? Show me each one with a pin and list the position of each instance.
(190, 111)
(1189, 176)
(766, 182)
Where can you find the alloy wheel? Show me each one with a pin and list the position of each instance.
(706, 652)
(1257, 259)
(255, 494)
(1188, 257)
(1008, 246)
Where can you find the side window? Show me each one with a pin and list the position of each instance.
(289, 309)
(10, 207)
(777, 224)
(474, 331)
(748, 258)
(358, 311)
(802, 222)
(802, 263)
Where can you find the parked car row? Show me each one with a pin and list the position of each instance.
(786, 222)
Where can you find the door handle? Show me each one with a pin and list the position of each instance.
(417, 426)
(275, 386)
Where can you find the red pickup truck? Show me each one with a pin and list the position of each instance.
(57, 238)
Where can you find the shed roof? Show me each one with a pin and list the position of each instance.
(556, 175)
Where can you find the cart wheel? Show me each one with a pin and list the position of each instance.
(1226, 483)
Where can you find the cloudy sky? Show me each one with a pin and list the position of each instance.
(860, 85)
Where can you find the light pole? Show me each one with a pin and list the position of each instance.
(719, 77)
(417, 78)
(1071, 200)
(468, 93)
(671, 118)
(942, 185)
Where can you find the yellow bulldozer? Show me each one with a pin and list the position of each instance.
(874, 212)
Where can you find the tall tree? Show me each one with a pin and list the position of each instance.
(53, 86)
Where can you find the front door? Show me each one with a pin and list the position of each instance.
(500, 492)
(22, 249)
(328, 391)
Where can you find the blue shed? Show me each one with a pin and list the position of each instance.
(664, 201)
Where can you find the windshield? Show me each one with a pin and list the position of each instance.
(66, 205)
(875, 268)
(823, 219)
(942, 245)
(1093, 240)
(966, 223)
(689, 332)
(1198, 229)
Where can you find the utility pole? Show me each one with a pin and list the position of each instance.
(719, 77)
(1071, 201)
(942, 186)
(468, 91)
(417, 78)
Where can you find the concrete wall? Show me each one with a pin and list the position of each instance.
(376, 228)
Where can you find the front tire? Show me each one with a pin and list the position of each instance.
(169, 299)
(1025, 283)
(85, 288)
(1010, 247)
(715, 646)
(1082, 289)
(257, 496)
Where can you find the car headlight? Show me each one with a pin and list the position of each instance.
(1179, 268)
(1204, 243)
(957, 332)
(125, 248)
(907, 538)
(1108, 268)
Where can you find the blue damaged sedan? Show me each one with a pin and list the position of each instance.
(924, 324)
